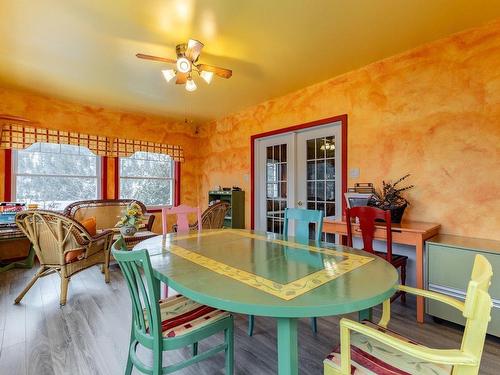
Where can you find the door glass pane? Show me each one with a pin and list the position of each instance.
(311, 149)
(277, 187)
(321, 175)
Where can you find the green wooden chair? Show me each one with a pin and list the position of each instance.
(168, 324)
(302, 220)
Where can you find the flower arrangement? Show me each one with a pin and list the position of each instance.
(132, 216)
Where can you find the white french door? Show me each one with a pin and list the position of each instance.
(300, 169)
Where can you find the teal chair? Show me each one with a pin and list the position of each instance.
(302, 220)
(161, 325)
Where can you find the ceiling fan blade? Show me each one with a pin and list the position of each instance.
(181, 78)
(221, 72)
(156, 58)
(193, 49)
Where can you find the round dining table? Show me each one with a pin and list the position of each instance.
(264, 274)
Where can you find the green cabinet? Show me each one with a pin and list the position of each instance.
(236, 215)
(449, 265)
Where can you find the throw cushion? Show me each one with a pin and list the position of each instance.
(90, 225)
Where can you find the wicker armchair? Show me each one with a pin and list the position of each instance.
(212, 217)
(54, 236)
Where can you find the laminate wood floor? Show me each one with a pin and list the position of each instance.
(90, 334)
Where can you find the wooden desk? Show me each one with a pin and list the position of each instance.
(407, 233)
(16, 239)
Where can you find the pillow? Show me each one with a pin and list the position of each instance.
(90, 225)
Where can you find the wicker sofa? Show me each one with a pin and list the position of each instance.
(106, 212)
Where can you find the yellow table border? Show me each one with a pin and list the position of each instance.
(284, 291)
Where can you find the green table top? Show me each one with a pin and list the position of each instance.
(262, 274)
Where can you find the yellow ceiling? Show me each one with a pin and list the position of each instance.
(84, 50)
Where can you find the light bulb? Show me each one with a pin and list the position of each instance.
(322, 148)
(207, 76)
(168, 74)
(190, 85)
(183, 65)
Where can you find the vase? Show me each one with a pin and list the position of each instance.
(128, 230)
(397, 213)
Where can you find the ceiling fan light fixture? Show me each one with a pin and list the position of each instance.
(183, 65)
(190, 85)
(168, 74)
(207, 76)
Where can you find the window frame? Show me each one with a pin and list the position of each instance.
(11, 157)
(175, 184)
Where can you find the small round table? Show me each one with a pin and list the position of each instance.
(262, 274)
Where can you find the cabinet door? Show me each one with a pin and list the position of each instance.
(449, 273)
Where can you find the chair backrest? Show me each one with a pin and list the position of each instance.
(52, 234)
(302, 220)
(105, 211)
(182, 211)
(367, 217)
(477, 310)
(145, 308)
(213, 216)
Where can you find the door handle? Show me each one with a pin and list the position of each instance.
(300, 203)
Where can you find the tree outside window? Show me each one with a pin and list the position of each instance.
(54, 175)
(147, 177)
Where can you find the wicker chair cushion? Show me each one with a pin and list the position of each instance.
(369, 357)
(90, 225)
(180, 315)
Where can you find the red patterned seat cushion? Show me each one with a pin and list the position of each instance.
(371, 357)
(181, 315)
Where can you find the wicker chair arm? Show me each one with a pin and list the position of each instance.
(103, 234)
(150, 221)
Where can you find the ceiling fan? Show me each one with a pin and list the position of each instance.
(186, 63)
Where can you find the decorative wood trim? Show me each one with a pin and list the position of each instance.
(343, 128)
(177, 183)
(104, 177)
(117, 177)
(7, 195)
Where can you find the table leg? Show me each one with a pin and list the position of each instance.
(365, 315)
(287, 346)
(420, 278)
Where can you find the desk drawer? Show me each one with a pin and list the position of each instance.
(451, 267)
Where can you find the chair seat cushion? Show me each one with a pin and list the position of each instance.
(369, 357)
(181, 315)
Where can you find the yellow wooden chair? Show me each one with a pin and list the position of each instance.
(376, 350)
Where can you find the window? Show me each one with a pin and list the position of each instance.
(54, 175)
(147, 177)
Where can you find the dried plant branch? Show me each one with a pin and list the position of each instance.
(390, 196)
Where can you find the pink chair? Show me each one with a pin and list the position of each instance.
(182, 211)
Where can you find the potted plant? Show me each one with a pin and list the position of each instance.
(131, 219)
(390, 198)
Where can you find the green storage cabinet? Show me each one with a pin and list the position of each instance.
(236, 215)
(449, 265)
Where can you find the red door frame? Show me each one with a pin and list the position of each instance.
(343, 130)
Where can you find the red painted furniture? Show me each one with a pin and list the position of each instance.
(367, 217)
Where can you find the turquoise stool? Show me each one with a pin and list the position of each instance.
(158, 324)
(302, 220)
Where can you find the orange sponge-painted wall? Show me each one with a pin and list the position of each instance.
(53, 113)
(433, 112)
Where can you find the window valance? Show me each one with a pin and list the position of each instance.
(19, 135)
(126, 147)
